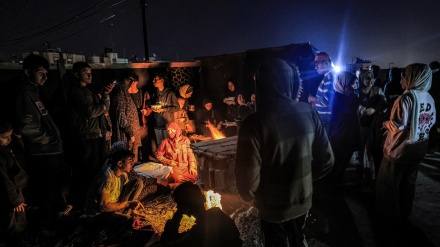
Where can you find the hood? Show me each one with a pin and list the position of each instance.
(417, 77)
(276, 82)
(175, 126)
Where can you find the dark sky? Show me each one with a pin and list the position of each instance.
(390, 31)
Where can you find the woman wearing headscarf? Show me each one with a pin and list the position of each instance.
(371, 97)
(124, 115)
(413, 110)
(175, 151)
(186, 92)
(344, 132)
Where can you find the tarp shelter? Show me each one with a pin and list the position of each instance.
(240, 68)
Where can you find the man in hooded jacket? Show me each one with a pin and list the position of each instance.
(281, 149)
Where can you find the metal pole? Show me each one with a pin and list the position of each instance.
(144, 29)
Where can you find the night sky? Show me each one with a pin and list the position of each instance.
(391, 31)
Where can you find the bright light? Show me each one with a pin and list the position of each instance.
(337, 68)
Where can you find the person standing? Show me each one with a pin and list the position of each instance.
(165, 115)
(415, 111)
(87, 125)
(41, 141)
(324, 94)
(281, 149)
(345, 133)
(124, 115)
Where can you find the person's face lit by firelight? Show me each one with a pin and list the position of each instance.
(208, 106)
(171, 133)
(231, 86)
(5, 138)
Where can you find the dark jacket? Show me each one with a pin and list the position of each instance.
(87, 112)
(12, 179)
(216, 229)
(203, 116)
(33, 121)
(281, 148)
(345, 125)
(170, 105)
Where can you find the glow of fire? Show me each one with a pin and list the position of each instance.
(216, 134)
(212, 199)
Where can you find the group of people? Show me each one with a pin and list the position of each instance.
(287, 144)
(84, 166)
(283, 147)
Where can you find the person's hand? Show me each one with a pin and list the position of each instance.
(20, 208)
(369, 111)
(162, 181)
(19, 140)
(193, 171)
(132, 139)
(219, 126)
(108, 89)
(144, 112)
(158, 110)
(133, 204)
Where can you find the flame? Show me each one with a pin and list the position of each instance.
(212, 199)
(216, 134)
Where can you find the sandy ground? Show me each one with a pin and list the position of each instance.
(346, 218)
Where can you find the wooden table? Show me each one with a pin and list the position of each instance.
(216, 161)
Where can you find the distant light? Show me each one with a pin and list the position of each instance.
(337, 68)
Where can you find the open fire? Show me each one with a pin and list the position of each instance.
(216, 134)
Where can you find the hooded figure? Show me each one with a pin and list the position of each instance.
(280, 150)
(175, 151)
(414, 110)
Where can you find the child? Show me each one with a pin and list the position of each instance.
(13, 180)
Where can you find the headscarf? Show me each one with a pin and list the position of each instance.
(418, 77)
(184, 90)
(277, 82)
(344, 79)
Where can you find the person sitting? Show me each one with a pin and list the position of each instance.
(207, 116)
(151, 186)
(115, 195)
(175, 151)
(213, 227)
